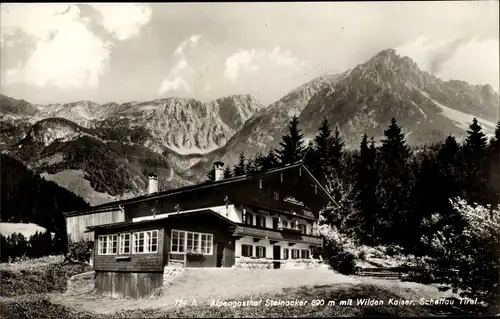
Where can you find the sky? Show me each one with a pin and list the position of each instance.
(118, 52)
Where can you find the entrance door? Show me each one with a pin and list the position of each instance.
(220, 253)
(276, 256)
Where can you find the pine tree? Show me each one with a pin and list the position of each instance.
(34, 245)
(493, 175)
(318, 154)
(21, 245)
(271, 160)
(240, 168)
(394, 189)
(227, 172)
(425, 196)
(292, 148)
(46, 243)
(366, 185)
(251, 166)
(211, 174)
(335, 150)
(4, 248)
(450, 180)
(475, 154)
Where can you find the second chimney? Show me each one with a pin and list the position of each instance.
(153, 184)
(219, 170)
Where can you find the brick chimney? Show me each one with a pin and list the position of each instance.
(219, 171)
(153, 184)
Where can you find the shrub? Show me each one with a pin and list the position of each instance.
(39, 275)
(339, 250)
(467, 257)
(362, 255)
(80, 250)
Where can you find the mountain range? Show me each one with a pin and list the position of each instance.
(104, 152)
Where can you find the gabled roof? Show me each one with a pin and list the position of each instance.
(153, 220)
(209, 184)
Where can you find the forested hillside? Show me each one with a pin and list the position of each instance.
(28, 198)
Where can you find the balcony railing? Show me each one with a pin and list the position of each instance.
(279, 235)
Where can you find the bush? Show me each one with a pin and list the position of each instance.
(80, 250)
(341, 260)
(362, 255)
(467, 257)
(339, 250)
(39, 275)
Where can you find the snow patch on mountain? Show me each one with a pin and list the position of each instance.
(418, 107)
(462, 119)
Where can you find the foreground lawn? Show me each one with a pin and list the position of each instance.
(211, 288)
(205, 284)
(41, 275)
(41, 307)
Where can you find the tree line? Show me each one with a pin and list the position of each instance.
(37, 245)
(388, 191)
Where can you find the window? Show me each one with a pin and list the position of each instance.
(107, 244)
(304, 254)
(246, 250)
(248, 219)
(285, 223)
(276, 196)
(261, 252)
(286, 253)
(185, 241)
(302, 228)
(275, 223)
(124, 244)
(260, 220)
(206, 244)
(178, 241)
(295, 253)
(145, 242)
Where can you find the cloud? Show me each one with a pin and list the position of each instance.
(250, 60)
(61, 49)
(472, 59)
(240, 60)
(430, 53)
(122, 20)
(282, 58)
(192, 40)
(175, 80)
(176, 84)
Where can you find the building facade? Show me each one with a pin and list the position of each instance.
(265, 217)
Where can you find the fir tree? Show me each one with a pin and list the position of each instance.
(252, 166)
(265, 162)
(450, 178)
(335, 150)
(394, 189)
(240, 168)
(4, 248)
(227, 172)
(493, 167)
(271, 160)
(475, 153)
(318, 154)
(425, 196)
(211, 174)
(366, 185)
(292, 148)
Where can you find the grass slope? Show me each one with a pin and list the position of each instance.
(41, 275)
